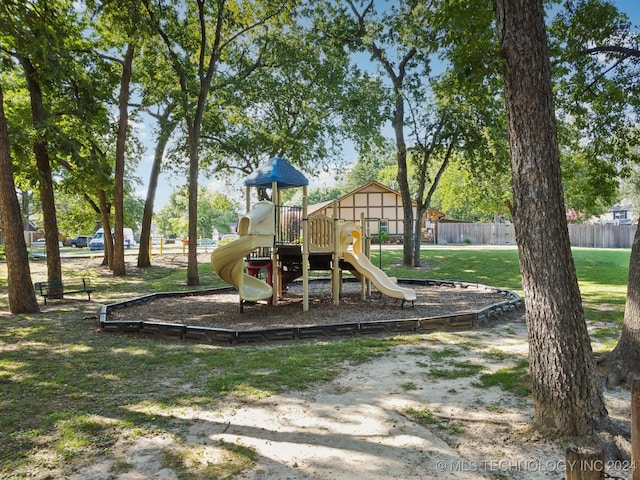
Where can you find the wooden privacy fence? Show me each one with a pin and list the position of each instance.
(602, 236)
(483, 233)
(595, 236)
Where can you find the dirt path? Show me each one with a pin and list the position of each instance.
(358, 427)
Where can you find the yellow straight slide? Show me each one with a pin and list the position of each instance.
(382, 282)
(350, 233)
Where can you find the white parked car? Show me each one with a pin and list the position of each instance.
(97, 242)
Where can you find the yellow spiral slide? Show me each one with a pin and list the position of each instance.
(256, 229)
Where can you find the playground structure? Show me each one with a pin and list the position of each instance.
(270, 241)
(285, 237)
(269, 235)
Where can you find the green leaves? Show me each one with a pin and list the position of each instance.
(214, 211)
(597, 87)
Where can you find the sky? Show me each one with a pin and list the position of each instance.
(168, 182)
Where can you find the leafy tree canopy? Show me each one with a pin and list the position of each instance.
(216, 211)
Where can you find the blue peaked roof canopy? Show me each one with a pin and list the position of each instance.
(276, 170)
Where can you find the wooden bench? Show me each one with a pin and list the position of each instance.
(57, 289)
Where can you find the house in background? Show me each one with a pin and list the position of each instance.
(31, 234)
(620, 214)
(382, 208)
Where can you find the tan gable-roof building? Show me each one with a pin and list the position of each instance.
(382, 209)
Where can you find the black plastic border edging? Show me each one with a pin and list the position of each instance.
(223, 336)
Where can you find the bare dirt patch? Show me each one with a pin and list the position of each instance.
(358, 426)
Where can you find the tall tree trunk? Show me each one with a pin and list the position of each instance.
(423, 204)
(121, 146)
(403, 177)
(40, 150)
(105, 212)
(421, 210)
(566, 391)
(397, 76)
(22, 296)
(212, 43)
(193, 278)
(166, 129)
(25, 197)
(623, 363)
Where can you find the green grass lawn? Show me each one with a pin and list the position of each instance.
(602, 274)
(70, 391)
